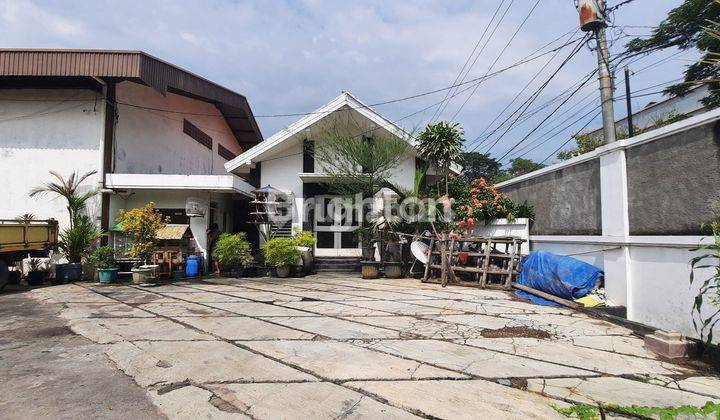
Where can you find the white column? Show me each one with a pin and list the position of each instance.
(615, 225)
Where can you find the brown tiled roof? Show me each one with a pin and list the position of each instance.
(139, 67)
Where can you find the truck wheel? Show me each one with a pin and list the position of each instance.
(4, 274)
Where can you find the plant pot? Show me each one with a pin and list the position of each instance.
(140, 275)
(368, 253)
(107, 275)
(237, 272)
(35, 278)
(66, 273)
(370, 269)
(393, 252)
(307, 261)
(393, 270)
(283, 272)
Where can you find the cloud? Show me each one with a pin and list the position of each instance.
(294, 56)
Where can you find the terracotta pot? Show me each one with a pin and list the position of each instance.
(370, 269)
(393, 270)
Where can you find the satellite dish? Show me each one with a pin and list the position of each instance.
(195, 207)
(421, 251)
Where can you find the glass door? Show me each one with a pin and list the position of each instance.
(335, 222)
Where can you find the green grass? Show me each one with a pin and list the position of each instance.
(591, 412)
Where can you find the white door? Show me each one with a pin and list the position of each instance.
(334, 227)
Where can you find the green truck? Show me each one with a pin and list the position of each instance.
(20, 238)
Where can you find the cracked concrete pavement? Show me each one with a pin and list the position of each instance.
(336, 346)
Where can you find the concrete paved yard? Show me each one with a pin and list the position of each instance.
(341, 347)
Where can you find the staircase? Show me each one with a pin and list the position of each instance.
(281, 231)
(337, 264)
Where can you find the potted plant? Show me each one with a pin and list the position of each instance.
(36, 272)
(75, 242)
(306, 243)
(281, 253)
(104, 260)
(365, 237)
(233, 252)
(141, 224)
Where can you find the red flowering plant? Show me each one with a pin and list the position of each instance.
(480, 202)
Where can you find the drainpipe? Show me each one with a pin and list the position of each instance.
(106, 152)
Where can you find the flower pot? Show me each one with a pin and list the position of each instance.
(393, 251)
(368, 253)
(237, 272)
(393, 270)
(283, 272)
(140, 275)
(307, 260)
(66, 273)
(35, 278)
(107, 275)
(370, 269)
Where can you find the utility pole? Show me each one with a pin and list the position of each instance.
(592, 18)
(628, 103)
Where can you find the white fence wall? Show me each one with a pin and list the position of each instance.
(649, 274)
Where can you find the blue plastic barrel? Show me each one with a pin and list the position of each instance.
(192, 267)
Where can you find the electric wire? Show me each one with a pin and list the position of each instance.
(502, 52)
(472, 53)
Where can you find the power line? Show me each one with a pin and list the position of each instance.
(502, 52)
(524, 107)
(487, 41)
(571, 137)
(472, 53)
(539, 125)
(527, 85)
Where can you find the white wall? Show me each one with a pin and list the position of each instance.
(647, 274)
(175, 199)
(152, 141)
(42, 130)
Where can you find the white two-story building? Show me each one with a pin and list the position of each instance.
(151, 131)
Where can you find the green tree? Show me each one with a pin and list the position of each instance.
(686, 27)
(586, 142)
(478, 165)
(142, 224)
(441, 144)
(69, 189)
(518, 166)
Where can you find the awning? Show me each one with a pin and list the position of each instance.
(172, 232)
(216, 183)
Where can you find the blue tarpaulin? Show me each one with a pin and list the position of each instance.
(561, 276)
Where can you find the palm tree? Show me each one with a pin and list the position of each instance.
(68, 189)
(441, 143)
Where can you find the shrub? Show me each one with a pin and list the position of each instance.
(281, 252)
(233, 250)
(305, 238)
(709, 291)
(141, 224)
(76, 241)
(103, 257)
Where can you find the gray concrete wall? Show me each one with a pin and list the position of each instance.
(673, 182)
(567, 201)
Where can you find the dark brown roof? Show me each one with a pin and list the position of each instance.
(139, 67)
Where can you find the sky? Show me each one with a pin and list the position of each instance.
(294, 56)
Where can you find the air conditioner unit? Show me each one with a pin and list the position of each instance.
(195, 207)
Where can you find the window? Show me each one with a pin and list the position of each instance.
(191, 130)
(225, 153)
